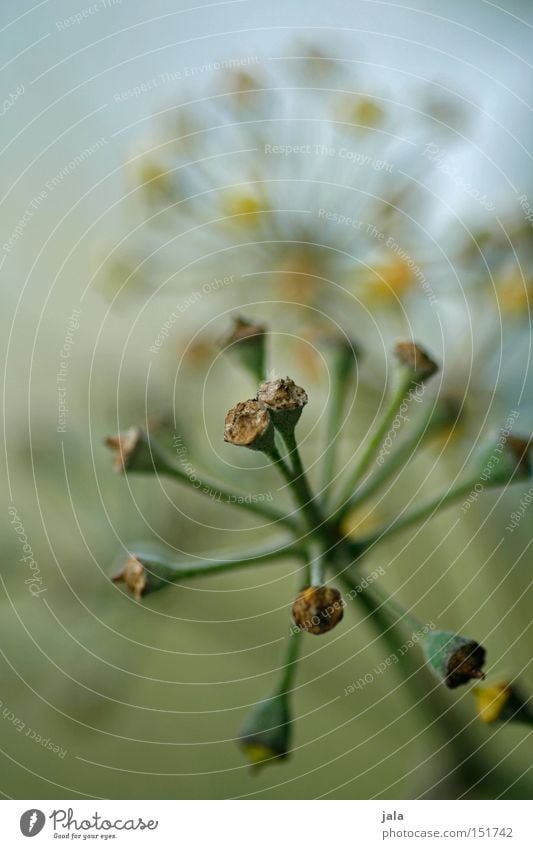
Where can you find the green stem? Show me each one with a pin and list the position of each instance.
(376, 441)
(166, 466)
(339, 386)
(318, 571)
(294, 642)
(171, 570)
(297, 480)
(471, 765)
(426, 510)
(395, 462)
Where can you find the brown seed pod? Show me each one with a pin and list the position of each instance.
(284, 400)
(465, 663)
(416, 359)
(134, 576)
(521, 451)
(318, 609)
(248, 424)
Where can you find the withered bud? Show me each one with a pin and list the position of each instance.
(464, 664)
(317, 609)
(136, 452)
(134, 576)
(284, 400)
(521, 451)
(248, 424)
(416, 360)
(266, 736)
(246, 343)
(455, 659)
(125, 446)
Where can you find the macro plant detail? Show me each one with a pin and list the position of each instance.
(313, 534)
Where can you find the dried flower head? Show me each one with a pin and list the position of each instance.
(415, 358)
(134, 576)
(125, 446)
(456, 659)
(248, 424)
(284, 400)
(318, 609)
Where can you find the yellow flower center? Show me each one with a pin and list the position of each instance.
(515, 295)
(491, 700)
(388, 282)
(244, 208)
(364, 112)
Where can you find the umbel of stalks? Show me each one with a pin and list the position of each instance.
(455, 659)
(267, 731)
(246, 343)
(249, 425)
(317, 609)
(285, 402)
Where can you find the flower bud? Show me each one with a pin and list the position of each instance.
(416, 360)
(133, 575)
(454, 658)
(267, 731)
(507, 457)
(246, 344)
(248, 424)
(284, 401)
(146, 576)
(318, 609)
(135, 452)
(502, 701)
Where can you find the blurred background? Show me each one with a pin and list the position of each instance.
(165, 167)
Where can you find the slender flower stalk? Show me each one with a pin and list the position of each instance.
(440, 502)
(267, 732)
(147, 456)
(416, 367)
(471, 765)
(343, 365)
(444, 413)
(145, 573)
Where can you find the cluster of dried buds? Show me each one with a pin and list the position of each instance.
(267, 423)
